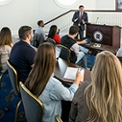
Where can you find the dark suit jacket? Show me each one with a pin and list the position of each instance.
(84, 17)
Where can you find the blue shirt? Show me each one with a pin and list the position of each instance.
(51, 97)
(40, 31)
(22, 57)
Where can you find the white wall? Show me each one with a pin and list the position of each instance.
(89, 5)
(18, 13)
(49, 9)
(28, 12)
(105, 4)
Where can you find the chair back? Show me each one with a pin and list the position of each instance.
(34, 108)
(52, 41)
(37, 40)
(65, 52)
(13, 78)
(58, 119)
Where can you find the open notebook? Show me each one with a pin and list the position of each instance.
(70, 74)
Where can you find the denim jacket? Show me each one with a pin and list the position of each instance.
(51, 97)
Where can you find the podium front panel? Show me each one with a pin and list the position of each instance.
(104, 34)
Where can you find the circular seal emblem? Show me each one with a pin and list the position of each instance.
(98, 36)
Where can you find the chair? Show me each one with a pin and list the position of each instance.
(1, 76)
(65, 52)
(58, 119)
(52, 41)
(34, 108)
(15, 85)
(37, 40)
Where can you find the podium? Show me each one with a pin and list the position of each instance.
(104, 34)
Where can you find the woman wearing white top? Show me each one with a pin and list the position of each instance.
(5, 47)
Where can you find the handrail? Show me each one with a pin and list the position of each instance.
(77, 10)
(59, 16)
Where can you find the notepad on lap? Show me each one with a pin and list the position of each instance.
(70, 74)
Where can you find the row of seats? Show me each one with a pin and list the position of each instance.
(30, 101)
(65, 52)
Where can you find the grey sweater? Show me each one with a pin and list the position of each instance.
(79, 111)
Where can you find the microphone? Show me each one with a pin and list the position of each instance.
(97, 19)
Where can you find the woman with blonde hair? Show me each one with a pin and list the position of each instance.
(5, 46)
(100, 100)
(42, 83)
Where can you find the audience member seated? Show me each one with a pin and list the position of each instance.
(40, 30)
(101, 99)
(78, 53)
(53, 34)
(42, 83)
(23, 54)
(5, 46)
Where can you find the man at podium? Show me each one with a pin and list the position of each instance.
(79, 19)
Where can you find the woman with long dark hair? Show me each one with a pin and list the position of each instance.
(100, 100)
(42, 83)
(5, 46)
(53, 34)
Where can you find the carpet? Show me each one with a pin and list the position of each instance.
(8, 116)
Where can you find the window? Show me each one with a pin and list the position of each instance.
(65, 3)
(3, 2)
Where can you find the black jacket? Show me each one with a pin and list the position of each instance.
(68, 42)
